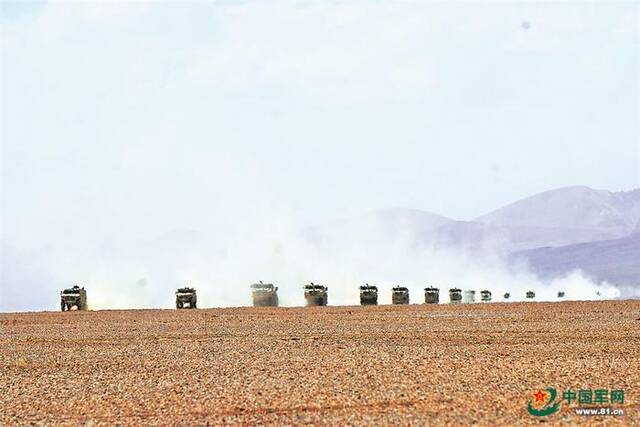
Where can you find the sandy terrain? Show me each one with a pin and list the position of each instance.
(333, 365)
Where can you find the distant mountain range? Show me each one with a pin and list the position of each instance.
(616, 261)
(555, 232)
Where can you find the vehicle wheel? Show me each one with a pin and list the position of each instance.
(178, 305)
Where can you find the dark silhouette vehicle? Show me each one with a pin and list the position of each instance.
(315, 295)
(431, 295)
(561, 294)
(399, 295)
(75, 296)
(507, 295)
(264, 294)
(186, 296)
(485, 295)
(368, 295)
(530, 295)
(455, 296)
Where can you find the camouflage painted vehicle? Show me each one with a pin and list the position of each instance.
(455, 296)
(75, 296)
(315, 294)
(507, 295)
(561, 294)
(264, 294)
(531, 294)
(485, 295)
(368, 295)
(186, 296)
(432, 295)
(469, 296)
(399, 295)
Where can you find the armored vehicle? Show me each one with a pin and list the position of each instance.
(507, 295)
(432, 295)
(531, 294)
(315, 294)
(368, 295)
(485, 295)
(455, 296)
(561, 294)
(469, 296)
(75, 296)
(185, 296)
(400, 295)
(264, 295)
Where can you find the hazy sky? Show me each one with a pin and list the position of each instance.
(131, 119)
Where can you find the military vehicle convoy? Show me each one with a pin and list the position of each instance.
(399, 295)
(455, 296)
(75, 296)
(264, 294)
(315, 294)
(431, 295)
(186, 296)
(368, 294)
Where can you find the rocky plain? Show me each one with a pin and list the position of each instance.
(409, 365)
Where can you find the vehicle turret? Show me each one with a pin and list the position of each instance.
(315, 294)
(186, 296)
(264, 294)
(368, 295)
(75, 296)
(432, 295)
(400, 295)
(455, 296)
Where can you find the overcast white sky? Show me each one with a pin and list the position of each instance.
(131, 119)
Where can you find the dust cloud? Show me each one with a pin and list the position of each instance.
(128, 275)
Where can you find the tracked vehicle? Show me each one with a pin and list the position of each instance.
(400, 295)
(485, 296)
(315, 294)
(264, 294)
(455, 296)
(368, 295)
(531, 294)
(432, 295)
(186, 296)
(469, 296)
(75, 296)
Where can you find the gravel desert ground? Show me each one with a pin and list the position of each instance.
(415, 364)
